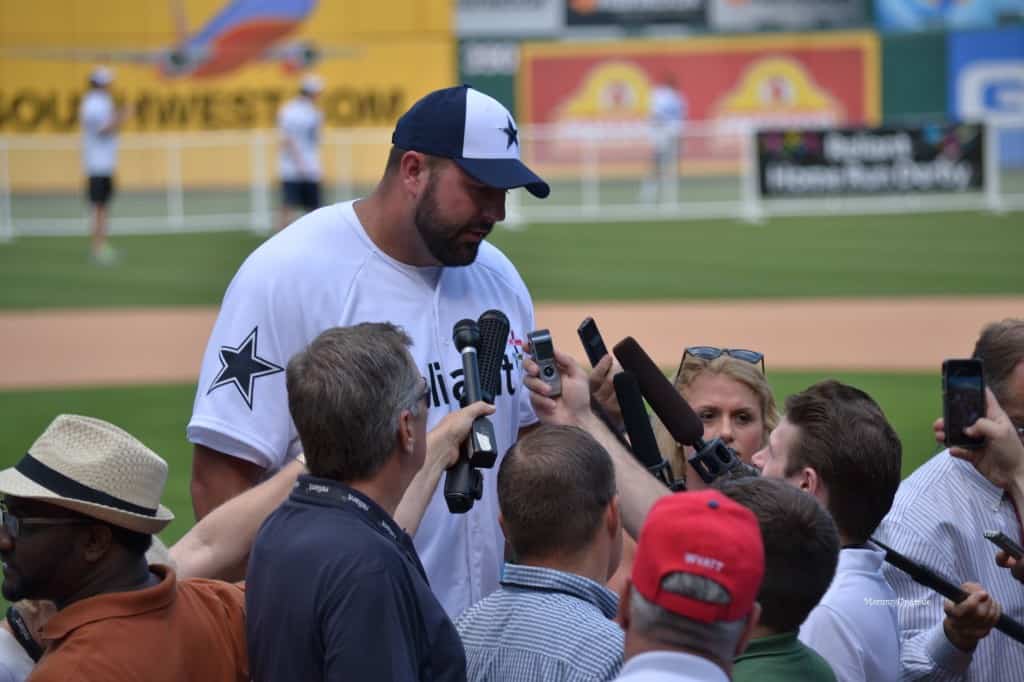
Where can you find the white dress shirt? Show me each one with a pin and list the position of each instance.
(855, 626)
(938, 519)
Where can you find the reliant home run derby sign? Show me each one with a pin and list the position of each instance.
(929, 158)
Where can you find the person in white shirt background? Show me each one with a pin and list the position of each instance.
(299, 122)
(100, 120)
(666, 118)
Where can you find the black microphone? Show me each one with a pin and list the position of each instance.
(494, 328)
(638, 425)
(932, 580)
(463, 484)
(711, 459)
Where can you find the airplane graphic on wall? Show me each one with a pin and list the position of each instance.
(241, 32)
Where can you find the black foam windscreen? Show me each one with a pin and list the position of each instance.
(465, 333)
(638, 424)
(674, 412)
(494, 328)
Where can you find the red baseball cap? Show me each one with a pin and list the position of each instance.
(702, 534)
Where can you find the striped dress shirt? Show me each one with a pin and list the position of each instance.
(542, 624)
(938, 519)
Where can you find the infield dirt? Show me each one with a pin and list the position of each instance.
(52, 349)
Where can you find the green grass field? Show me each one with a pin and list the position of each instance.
(940, 254)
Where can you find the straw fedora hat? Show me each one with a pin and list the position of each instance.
(96, 469)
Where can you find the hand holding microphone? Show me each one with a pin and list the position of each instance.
(712, 459)
(482, 347)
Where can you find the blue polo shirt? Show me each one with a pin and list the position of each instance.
(335, 591)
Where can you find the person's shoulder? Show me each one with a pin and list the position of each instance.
(315, 248)
(230, 596)
(930, 481)
(815, 668)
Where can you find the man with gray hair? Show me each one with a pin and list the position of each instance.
(551, 619)
(330, 568)
(689, 608)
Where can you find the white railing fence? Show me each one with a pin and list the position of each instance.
(228, 180)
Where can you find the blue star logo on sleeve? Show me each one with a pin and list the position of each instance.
(512, 133)
(240, 366)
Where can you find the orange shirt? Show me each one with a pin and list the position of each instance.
(171, 632)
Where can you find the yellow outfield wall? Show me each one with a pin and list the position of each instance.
(210, 65)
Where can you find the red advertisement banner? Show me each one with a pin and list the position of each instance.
(728, 83)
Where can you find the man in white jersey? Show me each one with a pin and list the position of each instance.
(299, 122)
(666, 118)
(412, 253)
(100, 121)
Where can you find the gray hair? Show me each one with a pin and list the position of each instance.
(346, 393)
(713, 640)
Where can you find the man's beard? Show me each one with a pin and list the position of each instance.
(441, 237)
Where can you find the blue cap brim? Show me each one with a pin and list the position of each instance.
(505, 174)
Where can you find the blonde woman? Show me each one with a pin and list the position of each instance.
(728, 390)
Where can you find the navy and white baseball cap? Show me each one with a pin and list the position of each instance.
(472, 129)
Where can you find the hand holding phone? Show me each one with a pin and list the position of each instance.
(543, 351)
(963, 401)
(593, 344)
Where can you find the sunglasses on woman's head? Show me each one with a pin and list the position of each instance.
(712, 352)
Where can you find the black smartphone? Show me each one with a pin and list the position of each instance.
(963, 400)
(593, 344)
(1005, 543)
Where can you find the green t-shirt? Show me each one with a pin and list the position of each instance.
(780, 658)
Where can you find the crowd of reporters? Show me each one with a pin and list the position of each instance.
(770, 573)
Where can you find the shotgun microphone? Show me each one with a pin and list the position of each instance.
(925, 576)
(711, 459)
(638, 425)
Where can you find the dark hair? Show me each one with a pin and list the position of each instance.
(554, 487)
(395, 160)
(737, 473)
(346, 392)
(801, 548)
(844, 436)
(1000, 349)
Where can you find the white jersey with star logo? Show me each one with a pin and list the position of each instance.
(324, 271)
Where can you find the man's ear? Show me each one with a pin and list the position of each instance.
(612, 518)
(810, 482)
(622, 617)
(97, 542)
(414, 173)
(748, 629)
(406, 432)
